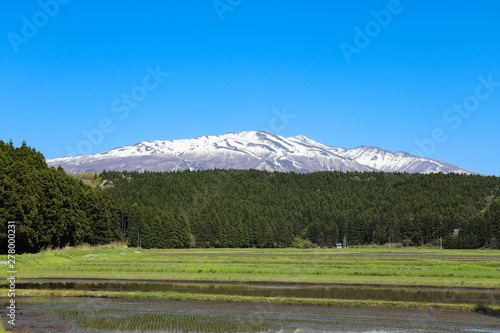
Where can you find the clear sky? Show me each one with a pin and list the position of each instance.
(419, 76)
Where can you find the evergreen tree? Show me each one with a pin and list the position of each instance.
(50, 208)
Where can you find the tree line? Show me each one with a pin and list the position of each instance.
(250, 208)
(49, 207)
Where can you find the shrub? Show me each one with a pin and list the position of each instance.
(300, 243)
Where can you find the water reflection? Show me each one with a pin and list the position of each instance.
(353, 293)
(63, 314)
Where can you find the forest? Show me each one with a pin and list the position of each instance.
(49, 207)
(242, 208)
(250, 208)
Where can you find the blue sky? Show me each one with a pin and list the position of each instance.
(87, 76)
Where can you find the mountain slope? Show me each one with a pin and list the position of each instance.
(250, 150)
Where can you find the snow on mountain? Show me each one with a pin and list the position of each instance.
(250, 150)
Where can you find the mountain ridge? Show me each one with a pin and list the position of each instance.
(259, 150)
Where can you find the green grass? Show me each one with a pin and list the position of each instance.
(404, 266)
(475, 268)
(87, 178)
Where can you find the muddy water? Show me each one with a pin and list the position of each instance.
(125, 315)
(352, 293)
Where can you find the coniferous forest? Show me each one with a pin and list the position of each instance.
(50, 208)
(243, 208)
(250, 208)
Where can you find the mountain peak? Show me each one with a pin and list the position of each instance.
(260, 150)
(300, 138)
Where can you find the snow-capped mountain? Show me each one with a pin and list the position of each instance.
(250, 150)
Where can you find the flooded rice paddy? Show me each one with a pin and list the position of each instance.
(133, 315)
(477, 296)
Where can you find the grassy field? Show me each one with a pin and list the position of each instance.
(90, 178)
(409, 266)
